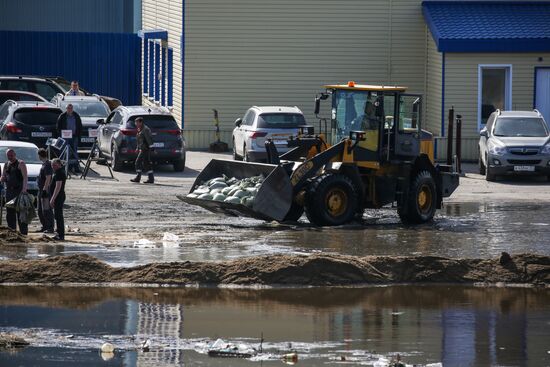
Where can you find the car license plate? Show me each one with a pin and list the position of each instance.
(280, 142)
(41, 135)
(87, 140)
(524, 168)
(158, 145)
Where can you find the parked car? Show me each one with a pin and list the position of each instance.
(18, 95)
(117, 136)
(44, 87)
(32, 122)
(28, 153)
(278, 123)
(90, 109)
(514, 142)
(66, 85)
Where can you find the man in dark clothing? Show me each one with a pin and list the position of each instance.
(145, 146)
(70, 120)
(15, 177)
(45, 212)
(57, 194)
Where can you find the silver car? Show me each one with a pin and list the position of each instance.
(278, 123)
(90, 108)
(514, 142)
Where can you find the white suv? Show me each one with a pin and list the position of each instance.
(278, 123)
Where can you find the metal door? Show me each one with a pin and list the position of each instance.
(542, 97)
(407, 125)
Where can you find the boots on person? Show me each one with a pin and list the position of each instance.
(137, 178)
(150, 178)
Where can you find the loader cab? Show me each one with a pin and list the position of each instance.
(389, 119)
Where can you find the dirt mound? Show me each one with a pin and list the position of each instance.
(316, 270)
(10, 237)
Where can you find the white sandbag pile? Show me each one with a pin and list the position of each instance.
(229, 190)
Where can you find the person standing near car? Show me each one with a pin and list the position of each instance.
(45, 213)
(75, 90)
(71, 121)
(57, 197)
(145, 146)
(15, 178)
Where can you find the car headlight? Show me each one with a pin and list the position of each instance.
(496, 149)
(545, 149)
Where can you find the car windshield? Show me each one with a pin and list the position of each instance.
(19, 97)
(155, 122)
(37, 116)
(521, 126)
(28, 155)
(87, 109)
(280, 120)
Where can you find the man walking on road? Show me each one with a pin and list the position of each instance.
(45, 212)
(57, 194)
(71, 121)
(145, 146)
(15, 177)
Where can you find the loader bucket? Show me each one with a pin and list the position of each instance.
(272, 202)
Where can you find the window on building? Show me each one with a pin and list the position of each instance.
(494, 91)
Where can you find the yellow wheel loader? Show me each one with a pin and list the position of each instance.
(372, 153)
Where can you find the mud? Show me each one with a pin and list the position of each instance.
(287, 270)
(9, 237)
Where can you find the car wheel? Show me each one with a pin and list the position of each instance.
(246, 157)
(489, 175)
(116, 163)
(421, 201)
(179, 165)
(481, 165)
(236, 157)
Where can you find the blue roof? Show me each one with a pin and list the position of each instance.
(489, 26)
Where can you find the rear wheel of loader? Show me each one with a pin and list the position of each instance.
(331, 200)
(422, 200)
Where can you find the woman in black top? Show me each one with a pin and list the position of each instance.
(15, 178)
(57, 195)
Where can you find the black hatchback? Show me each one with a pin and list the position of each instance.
(116, 136)
(32, 122)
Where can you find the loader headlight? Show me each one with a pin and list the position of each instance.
(496, 149)
(545, 149)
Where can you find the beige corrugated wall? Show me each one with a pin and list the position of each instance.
(461, 87)
(167, 14)
(434, 79)
(248, 52)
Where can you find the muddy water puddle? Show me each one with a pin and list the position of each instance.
(459, 230)
(429, 326)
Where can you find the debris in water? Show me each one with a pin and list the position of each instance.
(144, 243)
(9, 341)
(146, 346)
(229, 350)
(290, 358)
(107, 348)
(170, 237)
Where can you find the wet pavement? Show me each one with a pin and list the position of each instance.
(472, 230)
(455, 326)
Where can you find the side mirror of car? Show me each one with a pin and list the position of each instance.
(484, 132)
(238, 122)
(100, 122)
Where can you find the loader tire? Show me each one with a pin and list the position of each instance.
(294, 213)
(331, 200)
(421, 200)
